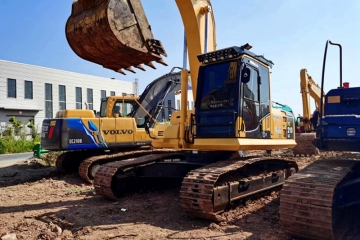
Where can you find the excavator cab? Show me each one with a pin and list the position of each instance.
(299, 124)
(117, 106)
(233, 95)
(114, 34)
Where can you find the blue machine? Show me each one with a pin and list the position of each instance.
(322, 201)
(339, 128)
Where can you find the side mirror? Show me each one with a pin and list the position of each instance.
(245, 75)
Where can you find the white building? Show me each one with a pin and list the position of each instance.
(173, 101)
(28, 91)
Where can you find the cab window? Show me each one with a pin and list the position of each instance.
(123, 108)
(219, 86)
(103, 108)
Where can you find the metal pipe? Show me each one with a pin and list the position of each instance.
(322, 83)
(322, 92)
(185, 52)
(340, 48)
(206, 32)
(183, 107)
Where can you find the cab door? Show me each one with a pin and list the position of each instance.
(125, 126)
(250, 110)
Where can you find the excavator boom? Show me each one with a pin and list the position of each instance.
(309, 88)
(307, 126)
(114, 34)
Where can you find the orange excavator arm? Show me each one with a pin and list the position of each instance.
(116, 34)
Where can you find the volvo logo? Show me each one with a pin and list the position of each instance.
(115, 132)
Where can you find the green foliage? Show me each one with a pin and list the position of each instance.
(17, 125)
(31, 125)
(12, 145)
(8, 131)
(14, 138)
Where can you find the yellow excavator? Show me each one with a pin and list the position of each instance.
(307, 123)
(233, 111)
(118, 130)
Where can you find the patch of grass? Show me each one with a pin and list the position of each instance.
(14, 139)
(8, 144)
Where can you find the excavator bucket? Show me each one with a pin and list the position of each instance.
(114, 34)
(304, 144)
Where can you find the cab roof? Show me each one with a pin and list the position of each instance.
(231, 53)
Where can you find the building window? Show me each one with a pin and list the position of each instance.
(112, 93)
(28, 89)
(90, 98)
(78, 97)
(169, 109)
(188, 106)
(178, 104)
(48, 101)
(62, 97)
(124, 94)
(103, 94)
(192, 105)
(11, 88)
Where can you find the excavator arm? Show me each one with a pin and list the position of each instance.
(309, 88)
(116, 34)
(307, 123)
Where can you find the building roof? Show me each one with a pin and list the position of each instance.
(82, 75)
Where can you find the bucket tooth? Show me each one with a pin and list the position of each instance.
(130, 69)
(161, 61)
(140, 67)
(150, 64)
(156, 47)
(121, 71)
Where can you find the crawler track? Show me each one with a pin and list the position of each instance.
(208, 191)
(89, 166)
(304, 144)
(68, 162)
(314, 201)
(59, 162)
(103, 181)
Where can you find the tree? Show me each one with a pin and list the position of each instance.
(31, 125)
(16, 124)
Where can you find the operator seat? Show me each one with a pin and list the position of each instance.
(116, 111)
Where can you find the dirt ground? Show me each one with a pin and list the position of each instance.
(37, 202)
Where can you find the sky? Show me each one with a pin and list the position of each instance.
(291, 33)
